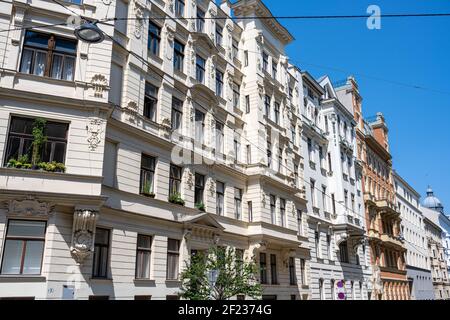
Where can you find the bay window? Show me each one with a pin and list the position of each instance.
(48, 55)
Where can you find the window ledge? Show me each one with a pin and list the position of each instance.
(173, 282)
(22, 278)
(145, 282)
(101, 279)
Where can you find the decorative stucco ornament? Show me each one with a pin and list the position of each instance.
(95, 129)
(29, 207)
(100, 83)
(83, 234)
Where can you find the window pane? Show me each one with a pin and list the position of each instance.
(173, 245)
(12, 256)
(39, 63)
(144, 242)
(13, 149)
(102, 236)
(27, 57)
(26, 228)
(143, 265)
(66, 46)
(33, 257)
(57, 66)
(69, 66)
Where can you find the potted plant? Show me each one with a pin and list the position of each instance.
(176, 199)
(146, 190)
(200, 206)
(39, 139)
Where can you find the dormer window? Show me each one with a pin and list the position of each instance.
(48, 56)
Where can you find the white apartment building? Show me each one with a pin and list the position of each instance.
(413, 231)
(116, 205)
(335, 205)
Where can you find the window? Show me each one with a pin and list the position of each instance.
(219, 83)
(293, 134)
(178, 55)
(310, 150)
(200, 20)
(274, 69)
(273, 269)
(199, 188)
(150, 101)
(333, 202)
(330, 168)
(265, 61)
(101, 254)
(246, 58)
(24, 247)
(235, 48)
(179, 8)
(174, 179)
(330, 256)
(173, 252)
(220, 192)
(267, 106)
(321, 162)
(303, 271)
(277, 113)
(324, 198)
(219, 34)
(238, 203)
(249, 154)
(282, 211)
(292, 276)
(121, 11)
(352, 196)
(199, 126)
(247, 104)
(343, 252)
(49, 56)
(219, 138)
(115, 84)
(237, 149)
(154, 38)
(300, 221)
(20, 140)
(262, 268)
(312, 185)
(200, 69)
(296, 180)
(250, 211)
(236, 95)
(272, 209)
(147, 174)
(177, 114)
(269, 154)
(143, 255)
(317, 244)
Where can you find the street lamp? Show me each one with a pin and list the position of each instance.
(89, 32)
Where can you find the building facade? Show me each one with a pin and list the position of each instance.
(156, 147)
(438, 265)
(413, 231)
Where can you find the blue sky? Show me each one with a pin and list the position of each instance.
(407, 50)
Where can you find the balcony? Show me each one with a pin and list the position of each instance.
(390, 239)
(347, 146)
(369, 198)
(386, 205)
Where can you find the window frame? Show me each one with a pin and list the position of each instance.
(263, 268)
(174, 253)
(220, 204)
(175, 181)
(154, 38)
(147, 170)
(151, 102)
(273, 269)
(143, 250)
(108, 249)
(238, 203)
(200, 69)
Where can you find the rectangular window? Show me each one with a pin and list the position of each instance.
(280, 159)
(237, 149)
(346, 198)
(20, 140)
(296, 180)
(101, 254)
(329, 247)
(333, 202)
(265, 61)
(269, 154)
(121, 11)
(236, 95)
(343, 252)
(143, 256)
(272, 209)
(199, 188)
(115, 83)
(300, 221)
(250, 211)
(282, 212)
(352, 196)
(267, 106)
(274, 69)
(303, 271)
(330, 168)
(219, 138)
(277, 113)
(324, 198)
(273, 269)
(312, 185)
(154, 38)
(310, 150)
(247, 104)
(24, 247)
(220, 194)
(238, 203)
(200, 23)
(293, 135)
(235, 48)
(173, 254)
(179, 8)
(263, 268)
(48, 55)
(317, 244)
(219, 83)
(249, 154)
(178, 55)
(292, 276)
(150, 101)
(147, 174)
(246, 58)
(200, 69)
(219, 34)
(199, 127)
(321, 162)
(175, 180)
(177, 114)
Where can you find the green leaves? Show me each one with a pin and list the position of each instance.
(38, 139)
(234, 277)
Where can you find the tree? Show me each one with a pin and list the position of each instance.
(234, 276)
